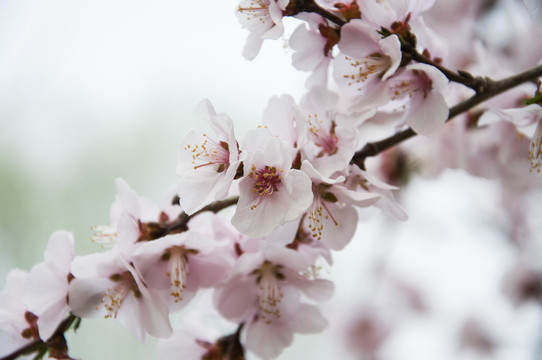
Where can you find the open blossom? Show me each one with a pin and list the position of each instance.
(176, 266)
(365, 63)
(47, 284)
(207, 166)
(263, 19)
(107, 285)
(332, 217)
(271, 193)
(265, 291)
(138, 209)
(423, 86)
(330, 138)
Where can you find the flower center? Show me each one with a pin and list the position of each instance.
(177, 269)
(318, 212)
(114, 297)
(210, 152)
(371, 65)
(323, 136)
(105, 235)
(265, 182)
(255, 9)
(269, 290)
(420, 82)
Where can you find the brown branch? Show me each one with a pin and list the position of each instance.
(181, 223)
(488, 89)
(461, 77)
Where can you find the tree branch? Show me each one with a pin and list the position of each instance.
(461, 77)
(181, 223)
(488, 89)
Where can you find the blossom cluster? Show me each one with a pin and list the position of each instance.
(298, 181)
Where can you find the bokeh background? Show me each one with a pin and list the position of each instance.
(94, 90)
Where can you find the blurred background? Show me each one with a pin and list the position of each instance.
(91, 91)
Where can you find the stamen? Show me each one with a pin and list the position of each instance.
(178, 271)
(269, 290)
(266, 181)
(209, 153)
(104, 235)
(372, 65)
(323, 136)
(317, 213)
(255, 9)
(114, 297)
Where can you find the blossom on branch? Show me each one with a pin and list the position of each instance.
(107, 285)
(176, 266)
(266, 292)
(263, 19)
(271, 193)
(422, 86)
(365, 63)
(206, 166)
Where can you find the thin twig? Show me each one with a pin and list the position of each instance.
(181, 223)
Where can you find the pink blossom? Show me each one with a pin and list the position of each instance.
(46, 287)
(366, 61)
(206, 166)
(137, 210)
(176, 266)
(263, 19)
(266, 192)
(423, 85)
(107, 285)
(329, 219)
(265, 291)
(330, 138)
